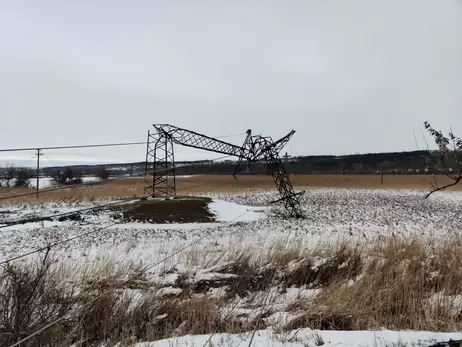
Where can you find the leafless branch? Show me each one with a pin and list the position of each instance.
(437, 188)
(450, 148)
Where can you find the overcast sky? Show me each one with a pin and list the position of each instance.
(348, 75)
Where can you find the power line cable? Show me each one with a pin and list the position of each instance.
(37, 250)
(21, 162)
(64, 214)
(28, 160)
(74, 146)
(97, 145)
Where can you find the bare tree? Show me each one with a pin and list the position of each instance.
(9, 173)
(450, 150)
(67, 176)
(23, 175)
(103, 173)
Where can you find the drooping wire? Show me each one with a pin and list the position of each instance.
(28, 160)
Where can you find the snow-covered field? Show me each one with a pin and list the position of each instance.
(243, 222)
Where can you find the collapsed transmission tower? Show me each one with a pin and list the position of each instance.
(160, 160)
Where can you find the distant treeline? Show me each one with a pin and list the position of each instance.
(389, 163)
(420, 162)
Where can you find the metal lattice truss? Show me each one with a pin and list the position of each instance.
(258, 148)
(160, 162)
(160, 166)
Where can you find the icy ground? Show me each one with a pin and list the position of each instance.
(310, 338)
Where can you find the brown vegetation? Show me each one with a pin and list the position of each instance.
(406, 284)
(130, 187)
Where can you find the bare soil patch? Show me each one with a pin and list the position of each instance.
(179, 210)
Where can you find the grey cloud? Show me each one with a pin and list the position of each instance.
(349, 76)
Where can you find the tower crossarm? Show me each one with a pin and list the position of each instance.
(279, 144)
(190, 138)
(260, 147)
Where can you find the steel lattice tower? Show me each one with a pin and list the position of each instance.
(160, 166)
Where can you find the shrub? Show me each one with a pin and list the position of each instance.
(8, 175)
(103, 173)
(67, 176)
(31, 297)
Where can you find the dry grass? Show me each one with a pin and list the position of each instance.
(397, 284)
(32, 297)
(124, 318)
(395, 290)
(129, 187)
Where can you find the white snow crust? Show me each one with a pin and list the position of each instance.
(310, 338)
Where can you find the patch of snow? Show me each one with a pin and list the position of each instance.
(166, 226)
(44, 182)
(230, 211)
(210, 276)
(89, 179)
(318, 262)
(169, 291)
(167, 281)
(454, 302)
(308, 337)
(303, 294)
(36, 225)
(217, 292)
(279, 319)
